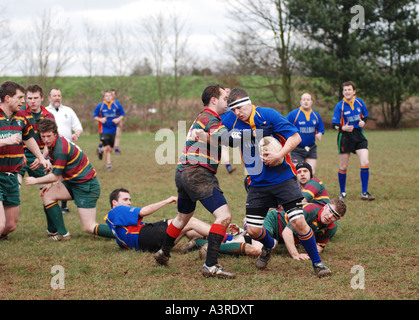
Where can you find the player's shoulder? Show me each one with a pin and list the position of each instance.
(360, 101)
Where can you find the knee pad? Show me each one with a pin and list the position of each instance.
(294, 213)
(256, 216)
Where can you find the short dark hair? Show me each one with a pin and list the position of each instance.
(340, 206)
(236, 94)
(10, 88)
(347, 84)
(34, 88)
(115, 194)
(212, 91)
(46, 125)
(54, 88)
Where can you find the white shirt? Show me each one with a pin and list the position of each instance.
(67, 120)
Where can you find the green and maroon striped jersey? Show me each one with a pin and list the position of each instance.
(34, 119)
(203, 153)
(315, 192)
(70, 162)
(11, 157)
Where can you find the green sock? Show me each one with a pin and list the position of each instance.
(55, 215)
(103, 230)
(50, 225)
(232, 248)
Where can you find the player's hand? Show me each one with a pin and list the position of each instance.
(15, 139)
(198, 134)
(269, 157)
(347, 127)
(30, 181)
(45, 189)
(361, 123)
(301, 256)
(35, 164)
(171, 199)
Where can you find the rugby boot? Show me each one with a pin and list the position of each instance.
(161, 258)
(216, 271)
(189, 246)
(321, 270)
(265, 256)
(367, 196)
(60, 237)
(203, 251)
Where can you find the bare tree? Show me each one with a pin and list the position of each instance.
(91, 47)
(269, 20)
(48, 47)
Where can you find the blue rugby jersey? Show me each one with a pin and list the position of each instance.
(347, 112)
(308, 125)
(109, 111)
(260, 174)
(125, 223)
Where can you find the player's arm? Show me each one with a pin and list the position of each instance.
(13, 139)
(49, 178)
(151, 208)
(288, 237)
(34, 148)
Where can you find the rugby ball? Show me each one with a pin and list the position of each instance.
(269, 143)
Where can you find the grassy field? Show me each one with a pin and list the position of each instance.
(380, 236)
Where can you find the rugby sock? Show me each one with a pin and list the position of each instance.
(265, 239)
(308, 241)
(232, 248)
(103, 230)
(215, 237)
(169, 240)
(53, 211)
(365, 175)
(50, 225)
(342, 180)
(63, 204)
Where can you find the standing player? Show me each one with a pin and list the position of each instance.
(196, 181)
(79, 183)
(14, 129)
(310, 127)
(108, 114)
(270, 186)
(34, 112)
(349, 117)
(69, 125)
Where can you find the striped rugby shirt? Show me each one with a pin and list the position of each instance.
(70, 162)
(11, 157)
(199, 152)
(315, 192)
(34, 119)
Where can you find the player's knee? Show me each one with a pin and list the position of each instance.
(253, 251)
(299, 224)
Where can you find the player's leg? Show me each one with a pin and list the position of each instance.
(89, 225)
(363, 156)
(217, 205)
(306, 236)
(12, 216)
(343, 167)
(313, 163)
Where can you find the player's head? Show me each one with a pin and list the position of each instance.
(306, 101)
(304, 172)
(239, 102)
(212, 91)
(120, 197)
(46, 125)
(108, 96)
(348, 90)
(333, 211)
(11, 89)
(48, 131)
(34, 96)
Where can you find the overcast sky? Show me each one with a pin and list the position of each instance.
(206, 19)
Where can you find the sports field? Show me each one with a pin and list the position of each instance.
(377, 240)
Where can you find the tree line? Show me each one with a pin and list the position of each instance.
(374, 43)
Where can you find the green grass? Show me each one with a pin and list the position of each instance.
(381, 236)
